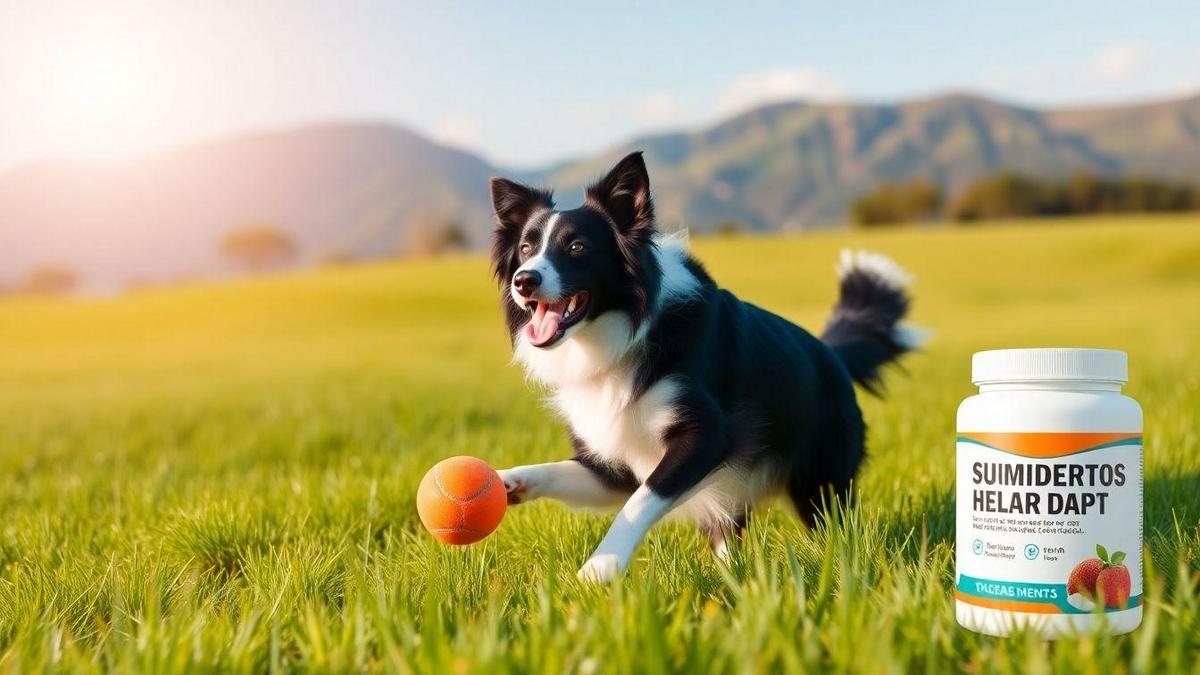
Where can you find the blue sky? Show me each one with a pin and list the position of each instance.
(548, 80)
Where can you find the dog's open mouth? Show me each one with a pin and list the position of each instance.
(549, 321)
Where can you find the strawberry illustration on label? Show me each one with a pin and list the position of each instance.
(1083, 577)
(1104, 580)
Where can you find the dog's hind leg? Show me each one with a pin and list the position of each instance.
(812, 500)
(815, 487)
(722, 535)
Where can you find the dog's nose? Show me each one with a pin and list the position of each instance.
(526, 282)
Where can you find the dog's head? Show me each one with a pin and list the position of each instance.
(560, 270)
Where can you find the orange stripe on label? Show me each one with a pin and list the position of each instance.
(1008, 605)
(1045, 444)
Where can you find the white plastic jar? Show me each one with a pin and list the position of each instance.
(1049, 494)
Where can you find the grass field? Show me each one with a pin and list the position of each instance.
(221, 477)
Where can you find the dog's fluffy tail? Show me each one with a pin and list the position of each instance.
(865, 330)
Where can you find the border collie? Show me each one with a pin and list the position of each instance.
(679, 396)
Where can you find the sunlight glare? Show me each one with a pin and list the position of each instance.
(99, 91)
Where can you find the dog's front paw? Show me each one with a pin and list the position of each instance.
(516, 491)
(518, 485)
(600, 569)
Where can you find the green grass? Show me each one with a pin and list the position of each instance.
(221, 478)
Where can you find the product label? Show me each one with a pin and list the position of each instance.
(1050, 522)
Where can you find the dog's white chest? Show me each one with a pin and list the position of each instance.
(616, 428)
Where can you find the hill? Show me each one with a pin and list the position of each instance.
(356, 190)
(367, 190)
(798, 165)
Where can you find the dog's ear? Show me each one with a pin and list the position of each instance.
(624, 194)
(513, 203)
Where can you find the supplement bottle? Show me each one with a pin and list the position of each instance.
(1049, 494)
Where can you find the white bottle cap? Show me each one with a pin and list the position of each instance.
(1018, 365)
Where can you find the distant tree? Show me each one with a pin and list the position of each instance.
(451, 236)
(437, 237)
(729, 228)
(1012, 195)
(892, 203)
(258, 247)
(1007, 195)
(1148, 194)
(335, 258)
(49, 280)
(1085, 193)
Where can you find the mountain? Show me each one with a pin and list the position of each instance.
(352, 190)
(797, 165)
(369, 190)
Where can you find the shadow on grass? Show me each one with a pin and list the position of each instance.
(921, 523)
(1172, 522)
(1171, 498)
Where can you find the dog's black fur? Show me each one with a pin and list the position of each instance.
(753, 388)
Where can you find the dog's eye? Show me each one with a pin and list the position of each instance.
(526, 248)
(576, 247)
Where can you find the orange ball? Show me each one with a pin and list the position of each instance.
(461, 500)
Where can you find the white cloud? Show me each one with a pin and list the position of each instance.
(1190, 84)
(460, 131)
(674, 110)
(779, 84)
(1117, 62)
(658, 110)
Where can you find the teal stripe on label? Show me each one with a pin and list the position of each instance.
(1049, 594)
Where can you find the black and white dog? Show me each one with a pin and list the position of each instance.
(679, 396)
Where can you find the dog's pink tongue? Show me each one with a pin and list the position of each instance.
(544, 323)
